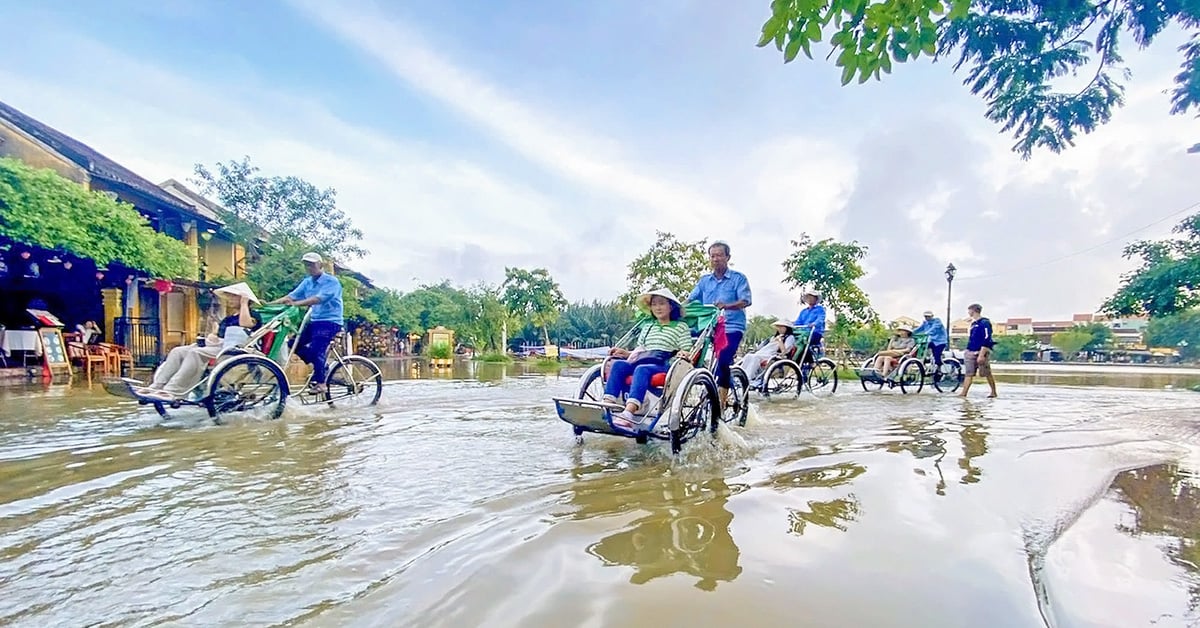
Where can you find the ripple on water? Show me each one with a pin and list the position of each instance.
(465, 503)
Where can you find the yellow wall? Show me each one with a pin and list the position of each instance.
(14, 143)
(219, 256)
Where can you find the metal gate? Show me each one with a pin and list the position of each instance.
(143, 338)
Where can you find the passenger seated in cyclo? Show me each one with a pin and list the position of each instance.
(899, 346)
(812, 317)
(186, 364)
(782, 344)
(658, 341)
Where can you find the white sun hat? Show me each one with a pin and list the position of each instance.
(241, 289)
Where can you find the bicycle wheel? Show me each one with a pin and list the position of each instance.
(354, 381)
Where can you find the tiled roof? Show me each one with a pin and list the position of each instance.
(204, 207)
(96, 164)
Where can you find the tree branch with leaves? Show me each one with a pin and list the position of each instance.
(669, 263)
(534, 295)
(1016, 52)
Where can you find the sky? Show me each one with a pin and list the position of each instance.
(470, 136)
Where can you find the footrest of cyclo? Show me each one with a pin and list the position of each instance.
(870, 375)
(587, 415)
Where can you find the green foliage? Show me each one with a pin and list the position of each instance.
(593, 323)
(1070, 342)
(440, 351)
(279, 209)
(1101, 336)
(670, 263)
(1170, 331)
(1010, 347)
(833, 268)
(40, 208)
(758, 329)
(1015, 51)
(869, 338)
(1168, 280)
(534, 295)
(495, 357)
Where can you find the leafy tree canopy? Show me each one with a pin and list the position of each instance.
(41, 208)
(280, 208)
(535, 295)
(1180, 330)
(1168, 280)
(1010, 347)
(1015, 52)
(670, 263)
(833, 268)
(1070, 342)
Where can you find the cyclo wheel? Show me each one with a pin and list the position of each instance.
(782, 376)
(591, 387)
(246, 383)
(912, 376)
(822, 378)
(866, 385)
(739, 397)
(354, 381)
(694, 407)
(951, 376)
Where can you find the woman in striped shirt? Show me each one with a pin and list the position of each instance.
(658, 341)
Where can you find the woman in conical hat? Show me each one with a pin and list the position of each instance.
(659, 340)
(185, 364)
(782, 343)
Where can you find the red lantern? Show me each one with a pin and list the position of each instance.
(163, 286)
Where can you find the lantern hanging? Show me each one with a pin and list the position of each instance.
(163, 286)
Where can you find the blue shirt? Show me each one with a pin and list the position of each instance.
(327, 288)
(812, 316)
(936, 331)
(731, 288)
(981, 335)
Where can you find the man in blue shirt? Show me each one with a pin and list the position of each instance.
(729, 290)
(938, 339)
(323, 292)
(813, 317)
(979, 350)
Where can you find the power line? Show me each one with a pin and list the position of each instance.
(1082, 251)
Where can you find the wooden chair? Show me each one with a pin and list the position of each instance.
(78, 353)
(118, 355)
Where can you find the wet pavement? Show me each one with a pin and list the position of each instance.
(461, 500)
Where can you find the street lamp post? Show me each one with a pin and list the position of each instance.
(950, 270)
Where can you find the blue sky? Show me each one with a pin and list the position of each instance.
(464, 137)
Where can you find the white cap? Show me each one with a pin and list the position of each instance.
(928, 313)
(311, 257)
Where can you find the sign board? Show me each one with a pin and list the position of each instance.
(54, 348)
(44, 318)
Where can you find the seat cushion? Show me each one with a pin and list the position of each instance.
(657, 380)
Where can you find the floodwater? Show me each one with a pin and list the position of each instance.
(461, 500)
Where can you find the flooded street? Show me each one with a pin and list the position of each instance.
(462, 500)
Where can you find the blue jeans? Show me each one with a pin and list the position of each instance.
(314, 343)
(725, 358)
(641, 371)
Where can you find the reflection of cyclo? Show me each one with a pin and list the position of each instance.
(805, 366)
(913, 369)
(250, 377)
(685, 529)
(686, 395)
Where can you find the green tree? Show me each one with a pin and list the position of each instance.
(758, 329)
(41, 208)
(1168, 280)
(1101, 335)
(1010, 347)
(489, 314)
(869, 338)
(833, 268)
(279, 209)
(595, 323)
(1070, 342)
(1171, 331)
(1015, 52)
(669, 263)
(535, 296)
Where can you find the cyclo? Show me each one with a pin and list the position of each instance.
(685, 396)
(913, 369)
(804, 367)
(250, 377)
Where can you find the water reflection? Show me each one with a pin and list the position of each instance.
(683, 527)
(833, 513)
(1165, 502)
(924, 440)
(974, 444)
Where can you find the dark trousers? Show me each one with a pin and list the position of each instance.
(725, 358)
(937, 353)
(314, 343)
